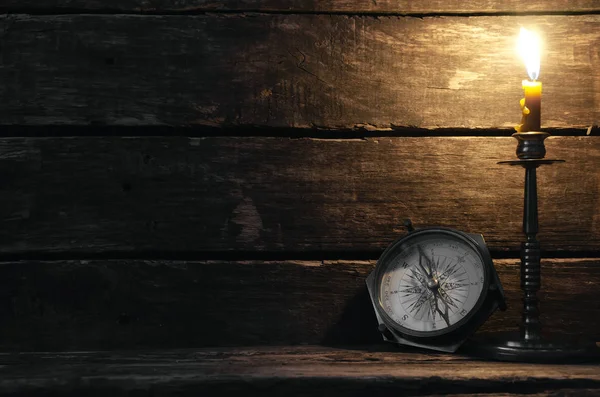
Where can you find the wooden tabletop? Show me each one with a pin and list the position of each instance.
(306, 370)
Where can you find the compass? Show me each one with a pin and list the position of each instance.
(434, 287)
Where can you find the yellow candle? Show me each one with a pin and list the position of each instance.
(531, 105)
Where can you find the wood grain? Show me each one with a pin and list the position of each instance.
(132, 304)
(294, 371)
(310, 71)
(346, 6)
(176, 195)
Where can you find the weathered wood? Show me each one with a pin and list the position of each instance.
(290, 371)
(346, 6)
(327, 71)
(127, 304)
(187, 195)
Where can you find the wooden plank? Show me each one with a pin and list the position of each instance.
(187, 195)
(339, 6)
(132, 304)
(324, 71)
(294, 371)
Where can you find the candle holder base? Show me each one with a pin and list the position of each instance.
(511, 346)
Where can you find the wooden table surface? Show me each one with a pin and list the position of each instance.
(305, 370)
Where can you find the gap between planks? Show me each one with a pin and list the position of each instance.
(360, 131)
(253, 11)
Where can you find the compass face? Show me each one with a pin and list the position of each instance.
(431, 283)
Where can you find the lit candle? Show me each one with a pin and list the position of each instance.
(529, 49)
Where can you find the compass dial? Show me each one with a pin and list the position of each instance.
(431, 283)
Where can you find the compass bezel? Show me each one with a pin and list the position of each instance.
(394, 249)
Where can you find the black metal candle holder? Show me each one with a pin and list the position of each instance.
(529, 345)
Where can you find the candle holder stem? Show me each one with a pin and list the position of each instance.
(530, 260)
(528, 345)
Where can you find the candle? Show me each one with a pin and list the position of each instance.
(529, 49)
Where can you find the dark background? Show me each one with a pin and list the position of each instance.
(215, 173)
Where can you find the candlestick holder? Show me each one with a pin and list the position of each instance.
(528, 345)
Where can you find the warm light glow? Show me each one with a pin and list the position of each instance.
(530, 49)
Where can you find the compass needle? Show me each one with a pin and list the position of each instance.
(421, 255)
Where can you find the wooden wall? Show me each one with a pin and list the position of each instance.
(199, 173)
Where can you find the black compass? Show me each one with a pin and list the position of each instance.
(434, 287)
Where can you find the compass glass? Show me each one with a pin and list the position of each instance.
(431, 283)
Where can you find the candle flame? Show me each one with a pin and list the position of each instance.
(530, 51)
